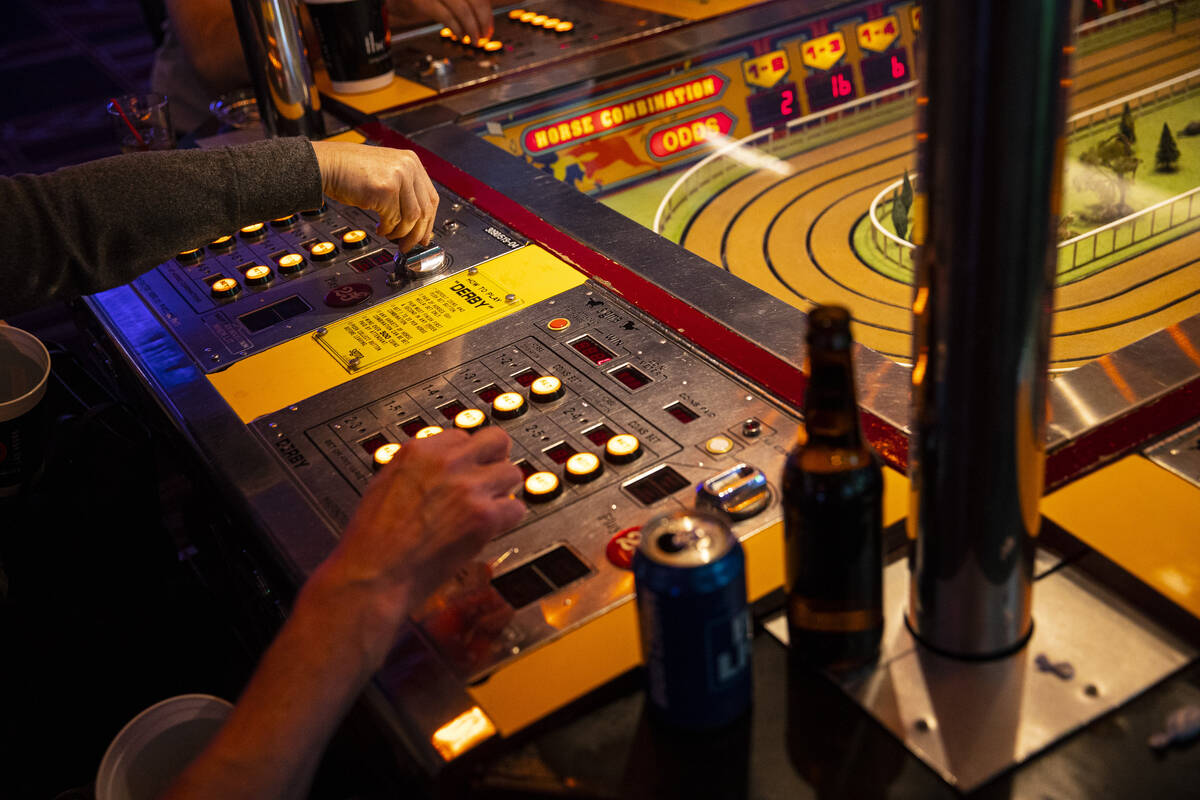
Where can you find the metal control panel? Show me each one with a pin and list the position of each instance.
(653, 418)
(523, 38)
(274, 280)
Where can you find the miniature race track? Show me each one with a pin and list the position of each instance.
(792, 236)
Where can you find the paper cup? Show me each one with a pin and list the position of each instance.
(355, 43)
(24, 371)
(156, 745)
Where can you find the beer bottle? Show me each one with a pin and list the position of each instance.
(833, 512)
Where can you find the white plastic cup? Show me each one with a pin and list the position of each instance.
(24, 371)
(157, 745)
(355, 43)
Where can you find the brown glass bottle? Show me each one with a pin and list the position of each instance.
(833, 512)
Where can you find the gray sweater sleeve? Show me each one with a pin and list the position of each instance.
(91, 227)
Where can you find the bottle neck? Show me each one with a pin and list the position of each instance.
(830, 411)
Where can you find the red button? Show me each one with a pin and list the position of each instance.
(350, 294)
(622, 546)
(558, 324)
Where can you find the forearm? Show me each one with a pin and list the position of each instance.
(98, 225)
(302, 688)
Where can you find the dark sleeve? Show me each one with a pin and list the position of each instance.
(91, 227)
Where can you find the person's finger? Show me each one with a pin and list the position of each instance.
(454, 16)
(499, 479)
(488, 445)
(482, 12)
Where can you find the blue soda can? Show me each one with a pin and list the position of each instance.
(690, 575)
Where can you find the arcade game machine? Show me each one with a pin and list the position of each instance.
(635, 212)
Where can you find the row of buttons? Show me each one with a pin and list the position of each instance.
(223, 287)
(543, 21)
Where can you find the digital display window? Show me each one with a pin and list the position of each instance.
(526, 468)
(682, 413)
(592, 350)
(773, 107)
(526, 377)
(411, 426)
(654, 486)
(885, 71)
(631, 377)
(489, 393)
(452, 409)
(829, 88)
(599, 435)
(560, 452)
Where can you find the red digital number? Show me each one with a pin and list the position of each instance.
(889, 28)
(785, 106)
(812, 51)
(777, 63)
(834, 45)
(897, 68)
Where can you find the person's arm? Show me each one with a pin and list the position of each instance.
(464, 17)
(423, 516)
(208, 33)
(94, 226)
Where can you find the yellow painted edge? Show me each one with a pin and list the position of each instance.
(347, 136)
(696, 9)
(1142, 517)
(400, 92)
(300, 368)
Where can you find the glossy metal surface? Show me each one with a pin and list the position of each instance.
(970, 721)
(1180, 453)
(979, 401)
(278, 63)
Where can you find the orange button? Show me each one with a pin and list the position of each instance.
(558, 324)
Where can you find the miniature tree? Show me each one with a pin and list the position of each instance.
(1167, 157)
(899, 214)
(1111, 168)
(1126, 127)
(906, 193)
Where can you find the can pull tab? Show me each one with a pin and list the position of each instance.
(739, 492)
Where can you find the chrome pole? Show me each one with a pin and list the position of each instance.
(990, 161)
(275, 55)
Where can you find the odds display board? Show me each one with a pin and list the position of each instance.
(635, 132)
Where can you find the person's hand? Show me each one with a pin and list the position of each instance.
(464, 17)
(422, 518)
(390, 182)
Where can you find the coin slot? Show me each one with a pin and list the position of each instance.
(656, 485)
(544, 575)
(275, 313)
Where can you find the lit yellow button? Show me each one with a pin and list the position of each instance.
(623, 448)
(192, 256)
(541, 487)
(323, 251)
(493, 45)
(385, 453)
(284, 222)
(528, 16)
(258, 275)
(255, 231)
(354, 238)
(550, 22)
(222, 243)
(290, 263)
(583, 467)
(719, 445)
(508, 405)
(516, 13)
(564, 27)
(538, 19)
(470, 419)
(466, 40)
(225, 287)
(446, 33)
(427, 431)
(546, 389)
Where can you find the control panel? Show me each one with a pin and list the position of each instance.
(276, 279)
(613, 420)
(525, 37)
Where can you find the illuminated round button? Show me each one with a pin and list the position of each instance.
(284, 222)
(564, 27)
(508, 405)
(558, 324)
(546, 389)
(385, 453)
(466, 40)
(291, 263)
(542, 487)
(470, 420)
(550, 22)
(719, 445)
(221, 244)
(315, 212)
(446, 33)
(323, 251)
(354, 239)
(254, 232)
(493, 45)
(538, 19)
(528, 15)
(427, 431)
(623, 448)
(193, 256)
(516, 13)
(258, 275)
(225, 287)
(583, 467)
